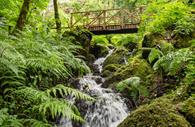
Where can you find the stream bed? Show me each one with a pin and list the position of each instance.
(108, 110)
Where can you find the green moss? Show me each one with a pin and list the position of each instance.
(109, 69)
(150, 40)
(135, 67)
(182, 42)
(187, 108)
(106, 73)
(160, 113)
(79, 37)
(117, 57)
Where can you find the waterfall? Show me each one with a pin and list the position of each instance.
(109, 109)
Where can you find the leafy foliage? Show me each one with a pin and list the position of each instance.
(133, 86)
(45, 103)
(7, 120)
(154, 54)
(173, 62)
(164, 18)
(31, 66)
(190, 74)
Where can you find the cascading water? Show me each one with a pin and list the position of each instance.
(109, 108)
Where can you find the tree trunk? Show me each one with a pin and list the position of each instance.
(57, 17)
(22, 17)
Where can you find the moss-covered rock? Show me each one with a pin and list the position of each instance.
(131, 46)
(110, 69)
(187, 108)
(160, 113)
(80, 37)
(99, 50)
(106, 73)
(151, 40)
(135, 67)
(182, 41)
(117, 57)
(158, 43)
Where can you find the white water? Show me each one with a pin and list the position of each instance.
(109, 109)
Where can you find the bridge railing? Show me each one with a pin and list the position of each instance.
(103, 19)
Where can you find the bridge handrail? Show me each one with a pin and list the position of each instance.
(120, 20)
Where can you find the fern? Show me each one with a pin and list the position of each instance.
(190, 74)
(65, 91)
(7, 120)
(154, 54)
(133, 86)
(45, 103)
(173, 62)
(36, 123)
(31, 65)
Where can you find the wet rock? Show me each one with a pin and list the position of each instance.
(117, 57)
(82, 106)
(98, 80)
(99, 50)
(95, 69)
(75, 83)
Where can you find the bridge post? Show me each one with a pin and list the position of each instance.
(104, 19)
(71, 22)
(122, 18)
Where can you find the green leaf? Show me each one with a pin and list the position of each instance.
(154, 54)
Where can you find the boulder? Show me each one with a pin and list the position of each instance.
(117, 57)
(109, 69)
(99, 50)
(135, 67)
(160, 113)
(187, 108)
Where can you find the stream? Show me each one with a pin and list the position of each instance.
(108, 110)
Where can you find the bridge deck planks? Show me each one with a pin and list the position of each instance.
(113, 29)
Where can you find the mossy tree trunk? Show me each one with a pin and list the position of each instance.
(22, 17)
(57, 16)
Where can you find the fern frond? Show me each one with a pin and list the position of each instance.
(133, 86)
(45, 103)
(154, 54)
(173, 62)
(36, 123)
(9, 120)
(56, 107)
(65, 91)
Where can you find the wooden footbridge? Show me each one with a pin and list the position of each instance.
(108, 21)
